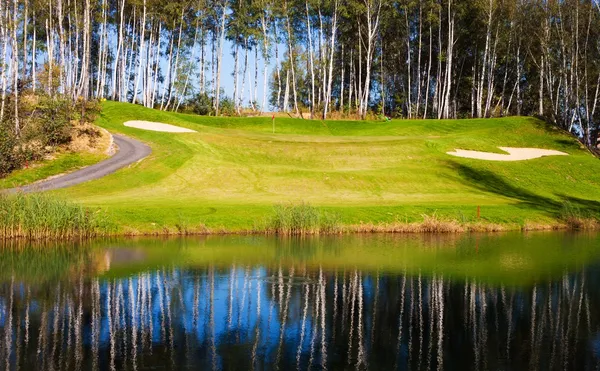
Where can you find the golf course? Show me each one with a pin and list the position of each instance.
(228, 174)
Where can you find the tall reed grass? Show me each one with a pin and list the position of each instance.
(302, 219)
(40, 216)
(577, 219)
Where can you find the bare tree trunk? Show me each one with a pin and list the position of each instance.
(428, 79)
(491, 80)
(140, 53)
(373, 12)
(220, 56)
(255, 77)
(187, 77)
(382, 81)
(292, 64)
(265, 27)
(448, 87)
(286, 96)
(408, 65)
(33, 55)
(312, 63)
(156, 63)
(419, 52)
(118, 58)
(4, 41)
(169, 66)
(322, 61)
(61, 37)
(101, 49)
(484, 64)
(358, 85)
(202, 61)
(25, 33)
(437, 100)
(235, 77)
(244, 74)
(15, 67)
(342, 72)
(146, 83)
(250, 92)
(350, 80)
(176, 67)
(277, 67)
(518, 83)
(332, 49)
(49, 46)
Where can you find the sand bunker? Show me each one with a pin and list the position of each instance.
(157, 126)
(515, 154)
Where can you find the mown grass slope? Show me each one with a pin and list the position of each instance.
(233, 170)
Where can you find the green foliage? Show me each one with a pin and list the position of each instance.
(202, 104)
(577, 218)
(40, 216)
(227, 107)
(9, 156)
(45, 122)
(54, 120)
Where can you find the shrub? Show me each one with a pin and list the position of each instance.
(9, 159)
(45, 122)
(227, 107)
(202, 104)
(55, 120)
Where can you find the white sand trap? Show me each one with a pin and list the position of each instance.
(157, 126)
(515, 154)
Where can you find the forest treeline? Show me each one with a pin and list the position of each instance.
(409, 58)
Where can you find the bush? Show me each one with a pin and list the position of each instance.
(9, 159)
(227, 107)
(202, 104)
(55, 121)
(45, 122)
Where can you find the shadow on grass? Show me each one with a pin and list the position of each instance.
(488, 181)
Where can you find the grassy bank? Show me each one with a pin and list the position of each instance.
(370, 175)
(40, 216)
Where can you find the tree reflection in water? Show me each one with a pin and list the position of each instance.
(291, 317)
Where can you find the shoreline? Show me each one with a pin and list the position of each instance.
(427, 227)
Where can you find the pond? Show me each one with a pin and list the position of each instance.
(379, 302)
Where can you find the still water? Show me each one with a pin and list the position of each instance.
(481, 302)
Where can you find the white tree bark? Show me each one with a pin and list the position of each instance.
(175, 72)
(484, 63)
(140, 54)
(118, 59)
(15, 67)
(312, 63)
(4, 41)
(373, 8)
(220, 56)
(332, 50)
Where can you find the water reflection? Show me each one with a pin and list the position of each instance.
(295, 317)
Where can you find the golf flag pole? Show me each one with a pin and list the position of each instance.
(273, 120)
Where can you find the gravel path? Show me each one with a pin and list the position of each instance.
(129, 151)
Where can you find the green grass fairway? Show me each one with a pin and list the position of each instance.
(231, 173)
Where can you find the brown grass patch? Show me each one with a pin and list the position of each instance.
(582, 224)
(90, 138)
